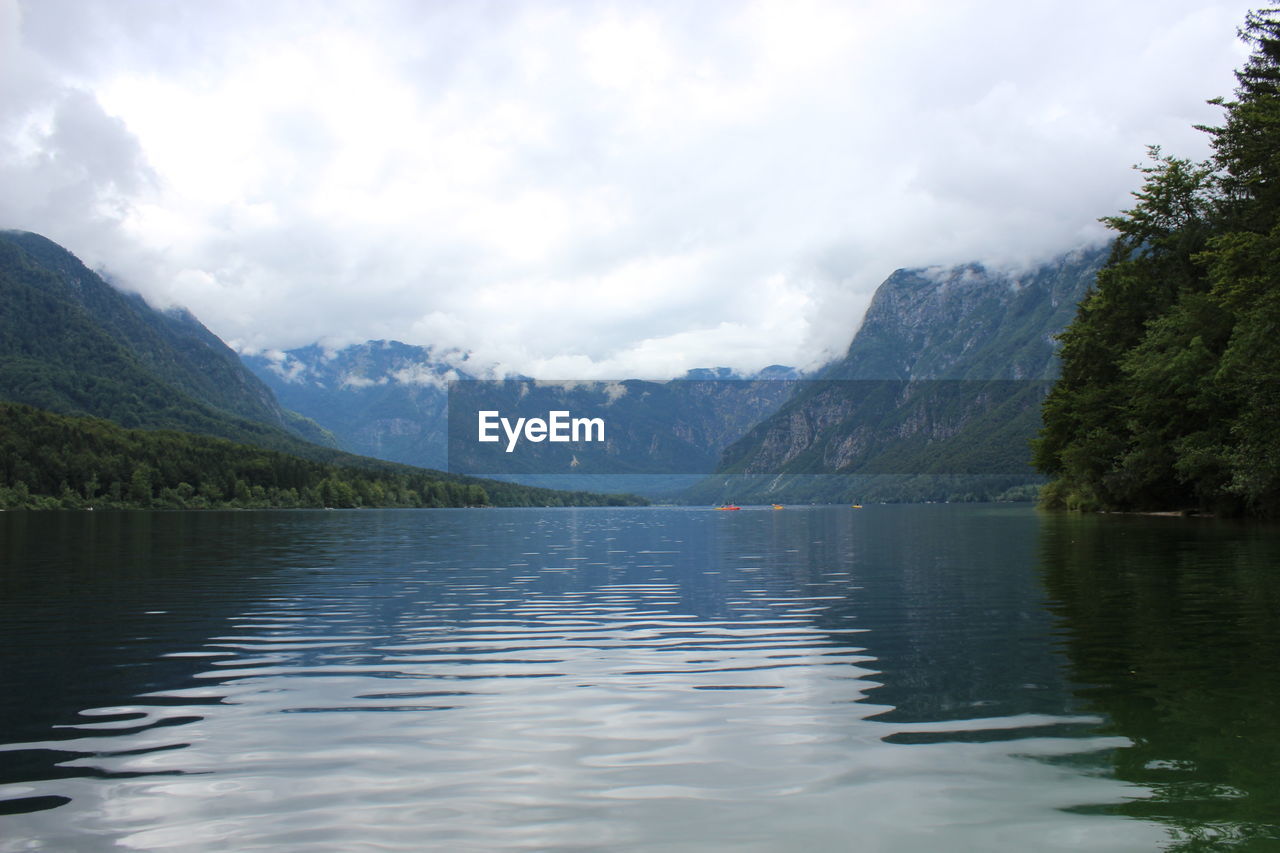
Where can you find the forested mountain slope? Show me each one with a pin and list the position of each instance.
(49, 461)
(71, 343)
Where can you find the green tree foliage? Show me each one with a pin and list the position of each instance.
(50, 461)
(73, 344)
(1156, 620)
(1169, 395)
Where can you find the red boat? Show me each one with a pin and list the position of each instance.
(728, 506)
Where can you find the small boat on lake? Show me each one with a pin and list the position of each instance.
(729, 506)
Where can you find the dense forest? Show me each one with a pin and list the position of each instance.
(50, 461)
(1168, 397)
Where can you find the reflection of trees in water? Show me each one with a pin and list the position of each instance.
(1172, 628)
(952, 612)
(94, 603)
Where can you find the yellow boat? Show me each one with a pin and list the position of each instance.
(777, 506)
(857, 506)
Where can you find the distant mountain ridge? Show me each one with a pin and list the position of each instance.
(388, 399)
(383, 399)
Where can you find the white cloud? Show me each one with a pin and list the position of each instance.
(582, 189)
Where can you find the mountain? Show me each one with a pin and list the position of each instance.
(968, 322)
(390, 400)
(774, 372)
(936, 398)
(73, 344)
(381, 398)
(105, 400)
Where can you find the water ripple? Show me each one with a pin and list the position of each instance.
(547, 704)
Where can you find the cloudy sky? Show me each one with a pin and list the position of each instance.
(582, 189)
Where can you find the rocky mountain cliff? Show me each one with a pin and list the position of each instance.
(380, 398)
(968, 322)
(936, 397)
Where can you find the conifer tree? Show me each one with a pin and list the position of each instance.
(1170, 388)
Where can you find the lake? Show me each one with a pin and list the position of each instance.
(893, 678)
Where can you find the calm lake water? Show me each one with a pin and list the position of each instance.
(899, 678)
